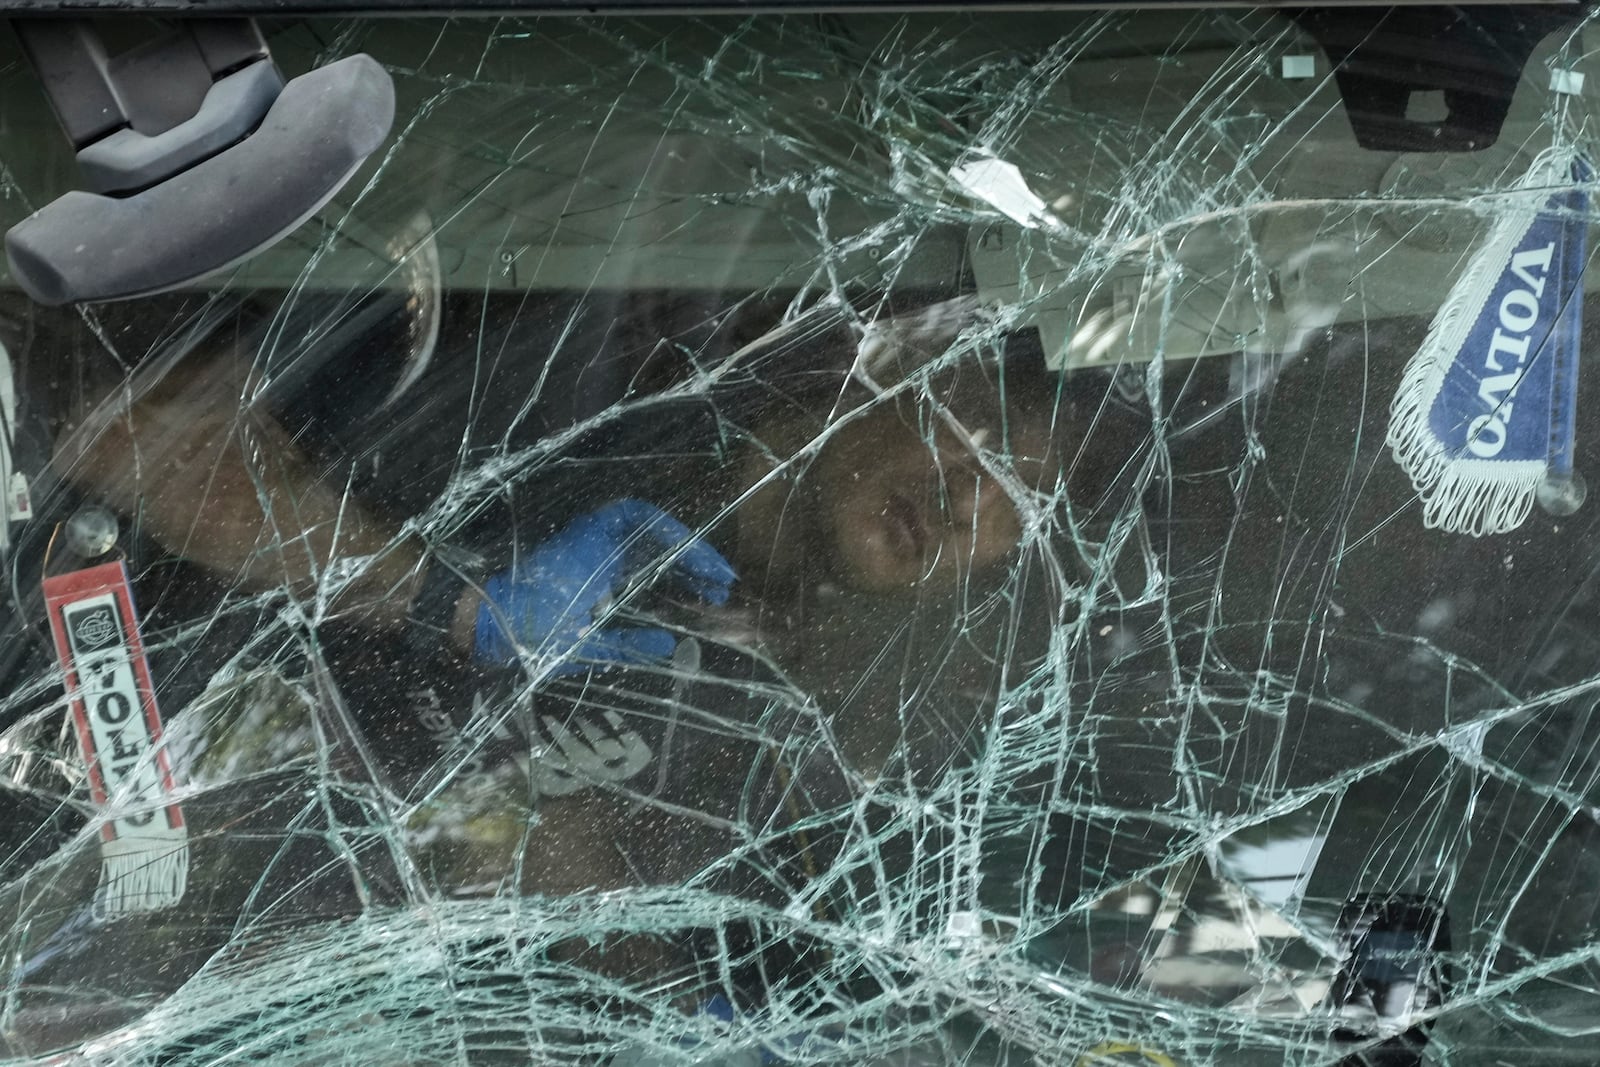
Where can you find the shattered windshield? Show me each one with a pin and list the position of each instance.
(909, 539)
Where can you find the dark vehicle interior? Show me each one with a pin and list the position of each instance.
(885, 535)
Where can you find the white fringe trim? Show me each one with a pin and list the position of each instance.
(142, 873)
(1465, 495)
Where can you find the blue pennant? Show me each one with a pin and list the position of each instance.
(1484, 418)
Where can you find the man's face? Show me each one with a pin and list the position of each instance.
(903, 504)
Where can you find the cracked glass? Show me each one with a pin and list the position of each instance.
(1048, 538)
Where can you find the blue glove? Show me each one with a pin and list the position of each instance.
(547, 600)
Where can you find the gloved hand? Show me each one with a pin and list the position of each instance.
(547, 601)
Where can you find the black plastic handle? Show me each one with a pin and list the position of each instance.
(87, 247)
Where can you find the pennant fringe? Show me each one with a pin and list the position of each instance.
(141, 874)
